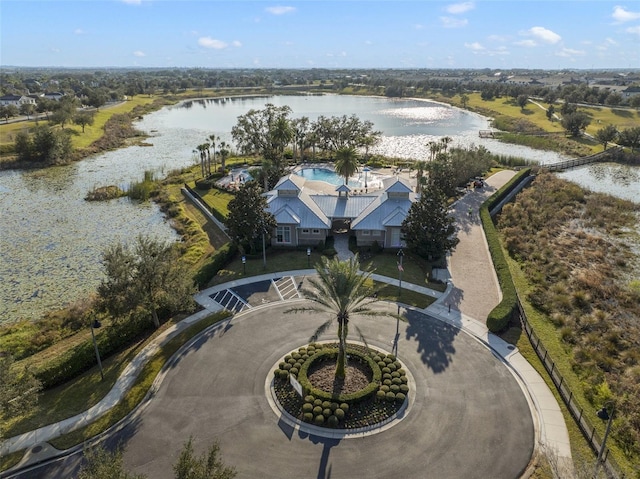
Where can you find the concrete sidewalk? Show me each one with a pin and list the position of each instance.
(472, 292)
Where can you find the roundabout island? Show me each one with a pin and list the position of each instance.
(468, 417)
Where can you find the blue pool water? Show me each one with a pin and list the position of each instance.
(328, 176)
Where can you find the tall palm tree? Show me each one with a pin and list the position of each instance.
(224, 152)
(445, 140)
(341, 290)
(202, 148)
(346, 163)
(213, 139)
(420, 167)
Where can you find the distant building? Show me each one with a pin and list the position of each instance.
(16, 100)
(54, 95)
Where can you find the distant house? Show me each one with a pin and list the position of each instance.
(630, 91)
(54, 95)
(306, 217)
(16, 100)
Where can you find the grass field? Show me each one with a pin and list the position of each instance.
(79, 139)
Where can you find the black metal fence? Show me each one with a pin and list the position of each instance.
(610, 465)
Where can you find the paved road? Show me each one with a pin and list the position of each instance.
(470, 418)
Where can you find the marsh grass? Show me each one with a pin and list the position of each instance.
(574, 261)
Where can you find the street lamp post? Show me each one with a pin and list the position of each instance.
(244, 265)
(400, 270)
(309, 257)
(603, 414)
(96, 324)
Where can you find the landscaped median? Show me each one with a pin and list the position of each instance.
(136, 393)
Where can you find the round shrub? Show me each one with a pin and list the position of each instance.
(391, 356)
(397, 365)
(296, 356)
(339, 413)
(394, 388)
(385, 388)
(276, 373)
(392, 366)
(400, 397)
(304, 357)
(391, 396)
(291, 361)
(327, 412)
(395, 374)
(306, 407)
(404, 380)
(345, 407)
(319, 420)
(382, 364)
(404, 388)
(307, 417)
(281, 364)
(388, 360)
(386, 370)
(333, 421)
(317, 410)
(334, 406)
(309, 398)
(284, 375)
(394, 380)
(317, 402)
(401, 371)
(386, 376)
(387, 382)
(302, 350)
(287, 357)
(286, 367)
(293, 370)
(381, 394)
(377, 358)
(326, 404)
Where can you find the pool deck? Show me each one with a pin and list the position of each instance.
(321, 187)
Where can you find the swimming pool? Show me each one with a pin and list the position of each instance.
(329, 176)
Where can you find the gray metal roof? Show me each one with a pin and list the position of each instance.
(294, 210)
(384, 211)
(342, 207)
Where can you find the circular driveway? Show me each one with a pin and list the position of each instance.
(470, 417)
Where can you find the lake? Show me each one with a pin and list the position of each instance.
(51, 240)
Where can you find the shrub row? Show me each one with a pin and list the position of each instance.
(499, 318)
(332, 353)
(82, 357)
(394, 385)
(215, 263)
(320, 413)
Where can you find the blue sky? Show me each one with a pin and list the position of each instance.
(321, 34)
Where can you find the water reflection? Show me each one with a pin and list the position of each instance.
(51, 239)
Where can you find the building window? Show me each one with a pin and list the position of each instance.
(283, 234)
(316, 232)
(366, 232)
(305, 231)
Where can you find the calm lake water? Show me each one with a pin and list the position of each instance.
(51, 240)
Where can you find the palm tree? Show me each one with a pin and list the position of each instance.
(346, 163)
(202, 148)
(445, 140)
(213, 139)
(341, 290)
(223, 154)
(434, 149)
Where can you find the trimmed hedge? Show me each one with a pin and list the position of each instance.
(499, 318)
(216, 262)
(332, 353)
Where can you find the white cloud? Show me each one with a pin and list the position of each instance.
(569, 53)
(610, 41)
(458, 8)
(139, 53)
(621, 15)
(526, 43)
(236, 43)
(132, 2)
(280, 10)
(79, 31)
(475, 46)
(545, 35)
(209, 42)
(451, 22)
(418, 26)
(634, 30)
